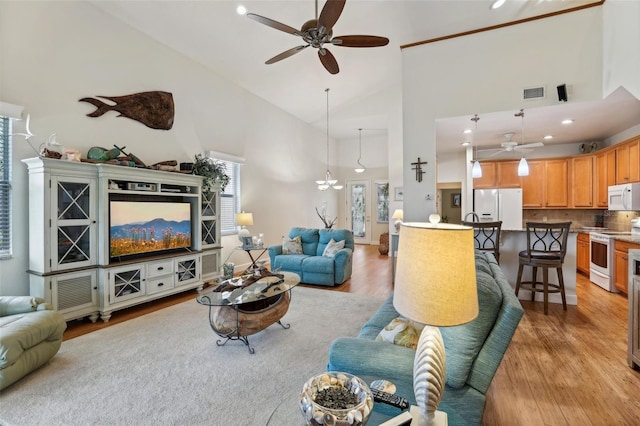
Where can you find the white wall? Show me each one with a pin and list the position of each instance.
(54, 53)
(621, 46)
(487, 72)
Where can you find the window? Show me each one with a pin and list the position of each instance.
(230, 199)
(5, 187)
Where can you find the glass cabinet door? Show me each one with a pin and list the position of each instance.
(73, 222)
(209, 219)
(126, 283)
(187, 271)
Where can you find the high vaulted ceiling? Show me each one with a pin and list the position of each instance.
(236, 47)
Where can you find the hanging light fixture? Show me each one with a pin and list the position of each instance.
(329, 181)
(359, 168)
(476, 170)
(523, 167)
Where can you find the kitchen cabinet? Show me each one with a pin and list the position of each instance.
(582, 253)
(605, 176)
(533, 185)
(498, 174)
(547, 185)
(489, 177)
(556, 179)
(582, 178)
(508, 174)
(621, 264)
(628, 162)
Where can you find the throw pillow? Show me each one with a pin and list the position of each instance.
(333, 247)
(292, 245)
(402, 332)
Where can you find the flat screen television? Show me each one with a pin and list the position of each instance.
(139, 228)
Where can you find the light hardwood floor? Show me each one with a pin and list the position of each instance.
(566, 368)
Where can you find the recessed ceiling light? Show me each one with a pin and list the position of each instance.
(548, 137)
(466, 143)
(467, 131)
(496, 4)
(241, 10)
(567, 121)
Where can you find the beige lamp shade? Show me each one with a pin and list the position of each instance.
(244, 219)
(435, 275)
(397, 214)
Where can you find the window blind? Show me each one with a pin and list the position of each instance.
(5, 187)
(230, 199)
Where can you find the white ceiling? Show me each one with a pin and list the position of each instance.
(236, 47)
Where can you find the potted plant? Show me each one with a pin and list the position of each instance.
(212, 171)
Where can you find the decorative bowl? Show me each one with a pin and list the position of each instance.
(334, 398)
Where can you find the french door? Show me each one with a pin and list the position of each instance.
(359, 210)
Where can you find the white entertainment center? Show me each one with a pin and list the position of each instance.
(70, 261)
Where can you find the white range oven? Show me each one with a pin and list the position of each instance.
(601, 263)
(601, 248)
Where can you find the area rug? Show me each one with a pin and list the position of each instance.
(165, 368)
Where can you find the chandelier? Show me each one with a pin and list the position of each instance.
(329, 181)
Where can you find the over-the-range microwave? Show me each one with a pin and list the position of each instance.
(624, 197)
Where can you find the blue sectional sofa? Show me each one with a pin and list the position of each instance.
(474, 350)
(311, 265)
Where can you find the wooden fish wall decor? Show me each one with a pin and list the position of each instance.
(153, 109)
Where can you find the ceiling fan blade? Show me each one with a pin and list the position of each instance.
(286, 54)
(274, 24)
(360, 41)
(330, 14)
(529, 145)
(328, 60)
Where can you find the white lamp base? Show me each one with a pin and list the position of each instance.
(243, 232)
(429, 373)
(439, 419)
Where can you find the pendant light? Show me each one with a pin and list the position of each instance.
(359, 168)
(523, 167)
(476, 170)
(328, 181)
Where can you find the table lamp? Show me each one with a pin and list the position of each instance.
(398, 216)
(435, 285)
(244, 219)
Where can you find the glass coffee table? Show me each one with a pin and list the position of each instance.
(242, 306)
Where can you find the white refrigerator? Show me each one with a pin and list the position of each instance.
(503, 204)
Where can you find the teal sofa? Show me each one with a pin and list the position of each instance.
(30, 335)
(474, 350)
(311, 265)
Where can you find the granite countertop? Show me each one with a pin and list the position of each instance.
(628, 238)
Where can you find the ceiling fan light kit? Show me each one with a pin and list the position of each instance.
(318, 32)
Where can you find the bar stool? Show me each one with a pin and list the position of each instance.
(486, 236)
(546, 248)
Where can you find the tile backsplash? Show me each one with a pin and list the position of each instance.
(616, 221)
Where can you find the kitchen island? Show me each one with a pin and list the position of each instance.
(513, 242)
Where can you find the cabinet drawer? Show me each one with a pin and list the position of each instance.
(157, 285)
(625, 246)
(157, 269)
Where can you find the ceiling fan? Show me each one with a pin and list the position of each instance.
(316, 32)
(511, 146)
